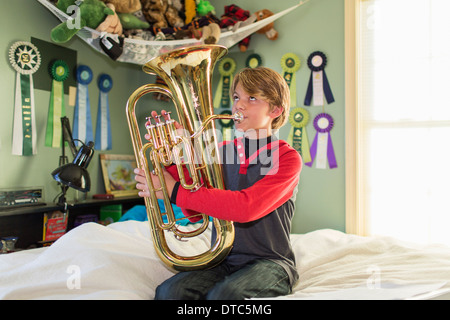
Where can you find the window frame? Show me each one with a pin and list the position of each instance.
(355, 222)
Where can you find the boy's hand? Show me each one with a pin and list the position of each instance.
(165, 115)
(142, 183)
(140, 175)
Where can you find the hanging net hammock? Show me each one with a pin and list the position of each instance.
(141, 51)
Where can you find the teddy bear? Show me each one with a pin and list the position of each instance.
(160, 14)
(90, 14)
(129, 13)
(235, 17)
(268, 30)
(211, 33)
(112, 23)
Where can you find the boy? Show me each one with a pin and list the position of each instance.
(261, 174)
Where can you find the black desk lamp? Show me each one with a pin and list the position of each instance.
(75, 174)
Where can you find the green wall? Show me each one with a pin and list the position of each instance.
(318, 25)
(28, 18)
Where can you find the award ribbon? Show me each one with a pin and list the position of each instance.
(103, 136)
(322, 145)
(254, 60)
(298, 138)
(82, 120)
(59, 71)
(290, 63)
(318, 81)
(226, 124)
(26, 60)
(226, 69)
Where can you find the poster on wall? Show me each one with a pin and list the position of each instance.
(52, 52)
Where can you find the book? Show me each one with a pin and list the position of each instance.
(55, 225)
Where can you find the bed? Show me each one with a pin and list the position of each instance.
(118, 262)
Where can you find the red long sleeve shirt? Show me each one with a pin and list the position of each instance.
(261, 181)
(254, 202)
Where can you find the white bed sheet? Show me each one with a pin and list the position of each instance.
(119, 262)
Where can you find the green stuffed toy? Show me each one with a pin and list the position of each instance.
(129, 21)
(204, 7)
(92, 13)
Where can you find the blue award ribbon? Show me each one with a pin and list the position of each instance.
(82, 120)
(103, 136)
(317, 62)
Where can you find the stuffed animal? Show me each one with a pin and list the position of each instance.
(111, 24)
(126, 6)
(160, 14)
(91, 14)
(189, 10)
(234, 15)
(268, 30)
(204, 7)
(211, 33)
(193, 29)
(129, 12)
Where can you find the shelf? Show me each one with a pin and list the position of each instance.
(41, 208)
(26, 222)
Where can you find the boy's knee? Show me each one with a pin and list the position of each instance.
(168, 291)
(173, 290)
(163, 292)
(225, 292)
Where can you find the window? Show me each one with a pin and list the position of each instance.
(402, 115)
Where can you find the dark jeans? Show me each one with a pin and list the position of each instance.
(259, 278)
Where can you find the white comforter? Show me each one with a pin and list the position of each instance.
(119, 262)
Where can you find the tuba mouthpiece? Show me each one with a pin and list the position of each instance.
(238, 117)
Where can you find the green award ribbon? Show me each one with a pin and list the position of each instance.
(59, 71)
(226, 69)
(290, 63)
(298, 138)
(254, 60)
(25, 59)
(226, 124)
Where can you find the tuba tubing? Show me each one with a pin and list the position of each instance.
(187, 73)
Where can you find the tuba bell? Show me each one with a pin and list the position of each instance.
(188, 75)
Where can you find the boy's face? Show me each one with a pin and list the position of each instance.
(258, 118)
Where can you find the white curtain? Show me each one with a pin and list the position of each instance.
(404, 108)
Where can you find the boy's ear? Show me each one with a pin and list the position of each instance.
(276, 112)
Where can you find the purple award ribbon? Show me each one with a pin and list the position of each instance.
(322, 146)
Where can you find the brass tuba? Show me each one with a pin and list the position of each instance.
(188, 74)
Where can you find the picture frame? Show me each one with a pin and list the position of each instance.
(118, 174)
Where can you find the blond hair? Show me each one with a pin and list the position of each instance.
(270, 86)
